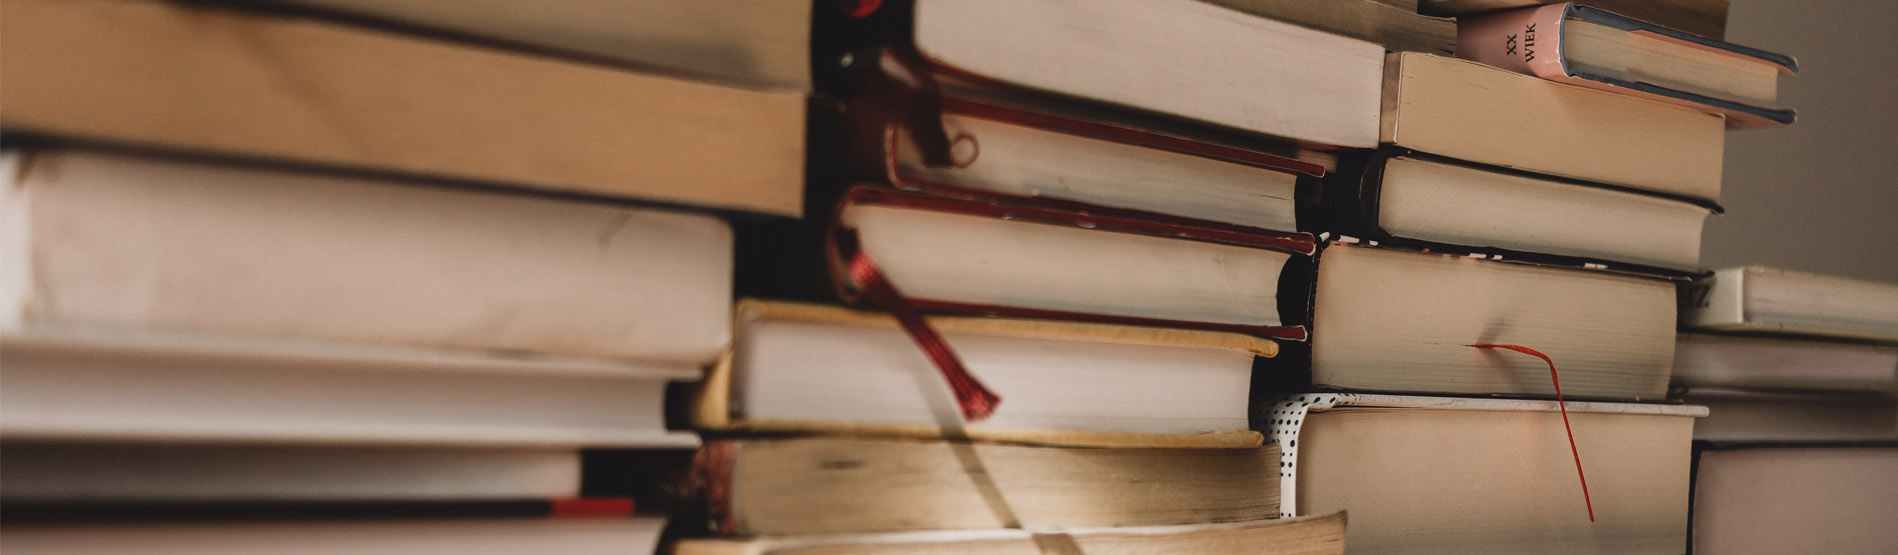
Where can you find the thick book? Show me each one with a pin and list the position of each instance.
(1768, 416)
(1318, 535)
(758, 44)
(1707, 18)
(1487, 475)
(1396, 195)
(75, 385)
(1754, 299)
(1791, 499)
(1024, 258)
(1588, 47)
(825, 485)
(1184, 59)
(1471, 111)
(104, 475)
(135, 244)
(799, 367)
(1703, 360)
(1397, 28)
(1088, 161)
(578, 535)
(259, 86)
(1395, 320)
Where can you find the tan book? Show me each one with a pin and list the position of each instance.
(1707, 18)
(461, 536)
(1297, 536)
(822, 485)
(1397, 27)
(807, 367)
(1474, 112)
(1754, 299)
(1792, 499)
(759, 44)
(1465, 475)
(202, 79)
(125, 243)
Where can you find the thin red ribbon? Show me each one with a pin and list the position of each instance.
(1559, 404)
(976, 401)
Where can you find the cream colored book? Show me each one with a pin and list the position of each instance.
(759, 44)
(1461, 475)
(1769, 300)
(463, 536)
(1474, 112)
(818, 368)
(206, 79)
(134, 244)
(1402, 321)
(1293, 536)
(833, 484)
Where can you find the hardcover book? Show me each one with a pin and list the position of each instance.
(1474, 112)
(1442, 204)
(1318, 535)
(1588, 47)
(815, 368)
(1455, 475)
(1773, 301)
(1184, 59)
(300, 90)
(771, 486)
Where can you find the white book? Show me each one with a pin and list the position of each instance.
(86, 473)
(148, 387)
(1784, 364)
(99, 241)
(1461, 475)
(463, 536)
(1402, 321)
(1768, 300)
(1181, 58)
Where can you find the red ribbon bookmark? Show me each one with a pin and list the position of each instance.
(1559, 404)
(976, 400)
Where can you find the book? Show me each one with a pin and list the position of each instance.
(100, 241)
(1000, 256)
(1703, 360)
(1743, 416)
(819, 368)
(1396, 195)
(1478, 113)
(763, 45)
(1795, 499)
(1181, 58)
(1458, 475)
(1755, 299)
(1400, 321)
(824, 485)
(1084, 160)
(134, 386)
(1592, 48)
(1397, 28)
(1302, 536)
(235, 536)
(312, 92)
(104, 474)
(1707, 18)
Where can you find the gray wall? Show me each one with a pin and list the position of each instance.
(1822, 194)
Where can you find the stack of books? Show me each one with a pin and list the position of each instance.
(1801, 372)
(1040, 270)
(1493, 314)
(302, 280)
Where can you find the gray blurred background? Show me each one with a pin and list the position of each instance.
(1822, 195)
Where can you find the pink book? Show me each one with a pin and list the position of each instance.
(1588, 47)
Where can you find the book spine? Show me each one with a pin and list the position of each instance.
(1524, 41)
